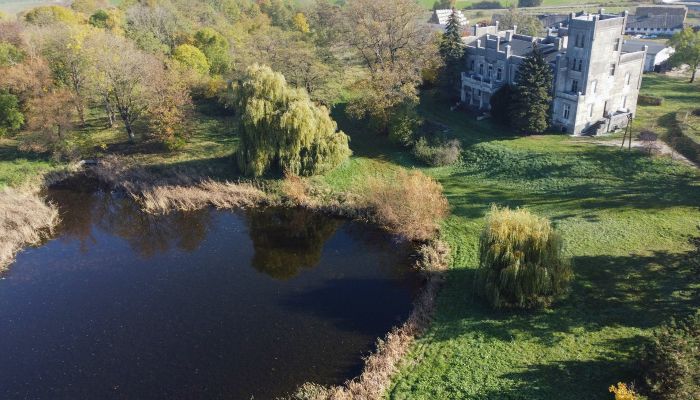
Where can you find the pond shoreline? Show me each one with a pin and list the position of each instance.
(188, 192)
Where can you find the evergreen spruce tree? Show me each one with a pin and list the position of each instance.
(281, 129)
(533, 94)
(452, 53)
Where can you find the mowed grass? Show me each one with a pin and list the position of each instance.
(17, 169)
(626, 219)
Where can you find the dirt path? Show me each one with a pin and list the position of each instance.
(660, 148)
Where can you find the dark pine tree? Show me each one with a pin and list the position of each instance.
(502, 105)
(533, 94)
(452, 53)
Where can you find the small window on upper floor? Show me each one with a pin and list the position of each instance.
(617, 44)
(590, 110)
(566, 111)
(612, 69)
(594, 86)
(574, 86)
(481, 69)
(471, 66)
(580, 65)
(627, 79)
(499, 74)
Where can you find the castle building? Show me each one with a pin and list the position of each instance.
(596, 83)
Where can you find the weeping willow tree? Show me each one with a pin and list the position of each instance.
(282, 129)
(521, 263)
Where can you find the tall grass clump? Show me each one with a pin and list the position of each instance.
(520, 260)
(438, 155)
(25, 219)
(410, 205)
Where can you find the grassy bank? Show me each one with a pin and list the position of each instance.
(626, 219)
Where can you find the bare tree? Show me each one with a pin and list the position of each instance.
(127, 74)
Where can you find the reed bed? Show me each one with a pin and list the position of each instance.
(25, 220)
(165, 199)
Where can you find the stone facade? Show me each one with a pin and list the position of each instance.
(595, 83)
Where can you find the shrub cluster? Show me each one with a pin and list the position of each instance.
(521, 263)
(529, 3)
(671, 362)
(646, 100)
(410, 205)
(438, 155)
(486, 5)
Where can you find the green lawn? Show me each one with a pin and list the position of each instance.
(626, 219)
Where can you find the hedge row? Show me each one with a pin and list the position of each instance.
(644, 100)
(681, 141)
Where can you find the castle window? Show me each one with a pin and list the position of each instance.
(472, 65)
(627, 79)
(499, 74)
(590, 110)
(574, 86)
(624, 102)
(566, 111)
(594, 86)
(481, 69)
(580, 64)
(617, 44)
(490, 71)
(612, 69)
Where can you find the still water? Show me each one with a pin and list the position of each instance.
(207, 304)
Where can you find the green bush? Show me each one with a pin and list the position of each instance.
(529, 3)
(438, 155)
(646, 100)
(520, 260)
(486, 5)
(671, 362)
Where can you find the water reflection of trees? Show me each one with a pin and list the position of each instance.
(287, 240)
(146, 234)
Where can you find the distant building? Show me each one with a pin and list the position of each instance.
(656, 20)
(553, 21)
(657, 53)
(441, 17)
(596, 83)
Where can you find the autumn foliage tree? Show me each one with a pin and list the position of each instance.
(281, 129)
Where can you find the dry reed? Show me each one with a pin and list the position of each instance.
(25, 219)
(165, 199)
(411, 204)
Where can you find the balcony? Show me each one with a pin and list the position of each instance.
(568, 95)
(477, 81)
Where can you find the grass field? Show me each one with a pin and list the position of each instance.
(626, 219)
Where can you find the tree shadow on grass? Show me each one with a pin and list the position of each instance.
(640, 291)
(565, 380)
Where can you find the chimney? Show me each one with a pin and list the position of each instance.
(497, 23)
(478, 43)
(509, 36)
(601, 11)
(507, 51)
(515, 29)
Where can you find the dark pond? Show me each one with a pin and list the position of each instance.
(208, 304)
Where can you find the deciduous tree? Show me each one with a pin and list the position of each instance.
(11, 117)
(192, 58)
(687, 46)
(215, 46)
(282, 129)
(395, 47)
